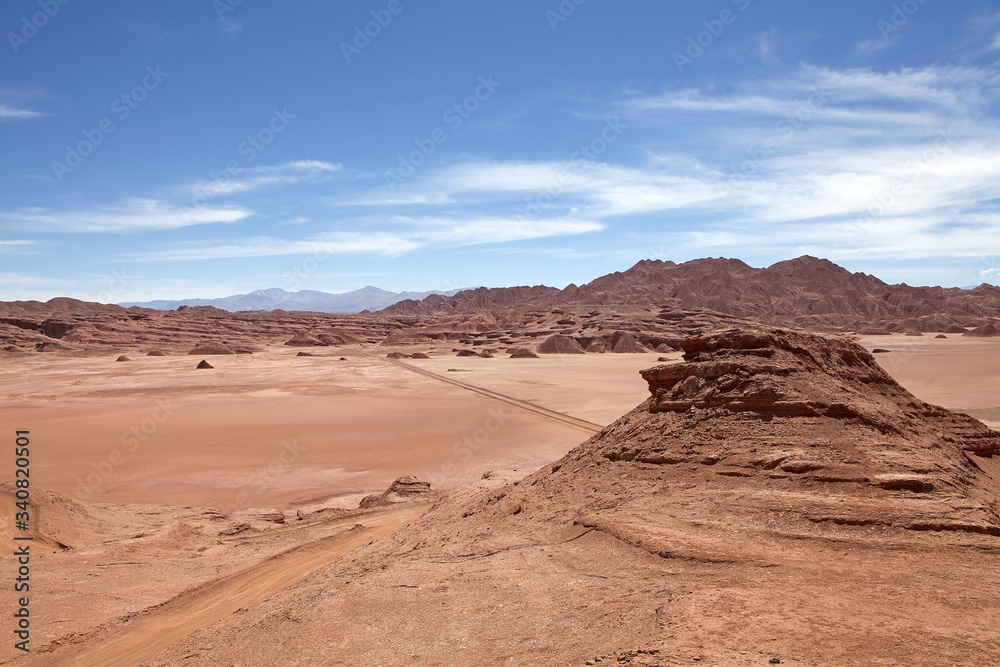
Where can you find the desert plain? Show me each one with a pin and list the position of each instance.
(653, 487)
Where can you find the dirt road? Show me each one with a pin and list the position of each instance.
(175, 620)
(590, 427)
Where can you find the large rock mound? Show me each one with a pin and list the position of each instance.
(986, 331)
(560, 344)
(403, 490)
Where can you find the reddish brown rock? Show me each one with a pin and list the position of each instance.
(211, 348)
(560, 344)
(598, 345)
(623, 342)
(303, 339)
(986, 331)
(403, 490)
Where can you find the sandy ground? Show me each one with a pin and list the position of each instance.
(957, 373)
(273, 430)
(276, 430)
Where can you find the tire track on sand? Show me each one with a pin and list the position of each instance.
(590, 427)
(162, 628)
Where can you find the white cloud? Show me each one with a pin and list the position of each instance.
(255, 178)
(335, 243)
(7, 112)
(14, 104)
(8, 245)
(30, 281)
(405, 235)
(132, 216)
(907, 147)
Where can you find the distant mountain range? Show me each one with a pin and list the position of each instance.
(275, 298)
(801, 292)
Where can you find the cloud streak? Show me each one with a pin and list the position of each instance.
(407, 235)
(255, 178)
(134, 215)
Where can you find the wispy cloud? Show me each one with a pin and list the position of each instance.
(15, 245)
(10, 113)
(134, 215)
(15, 104)
(31, 281)
(404, 235)
(908, 149)
(255, 178)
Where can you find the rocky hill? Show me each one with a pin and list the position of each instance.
(805, 292)
(778, 499)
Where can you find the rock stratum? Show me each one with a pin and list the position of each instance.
(778, 499)
(650, 307)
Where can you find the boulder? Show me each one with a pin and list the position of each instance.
(404, 489)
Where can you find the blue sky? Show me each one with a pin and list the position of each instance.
(197, 148)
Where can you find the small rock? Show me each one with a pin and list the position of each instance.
(123, 358)
(205, 364)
